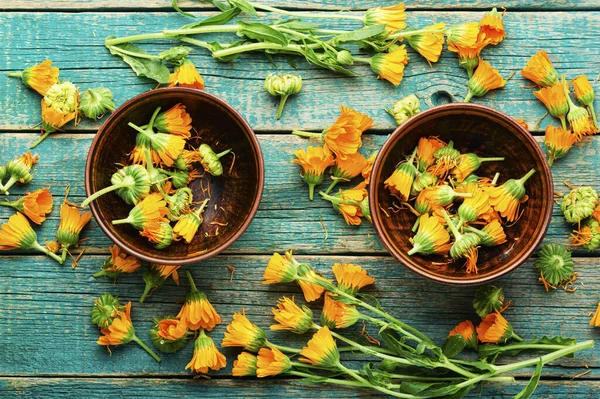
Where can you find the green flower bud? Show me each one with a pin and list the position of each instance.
(555, 264)
(387, 365)
(179, 202)
(344, 58)
(210, 160)
(405, 108)
(105, 310)
(63, 97)
(579, 204)
(94, 103)
(136, 181)
(421, 182)
(463, 244)
(179, 178)
(175, 55)
(488, 299)
(283, 86)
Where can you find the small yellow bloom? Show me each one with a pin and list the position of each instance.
(539, 70)
(171, 329)
(152, 209)
(595, 321)
(348, 203)
(186, 75)
(206, 355)
(474, 207)
(483, 80)
(241, 332)
(119, 262)
(321, 350)
(392, 17)
(558, 142)
(578, 117)
(429, 45)
(466, 329)
(584, 92)
(281, 269)
(337, 314)
(271, 361)
(431, 238)
(120, 331)
(39, 77)
(158, 233)
(311, 289)
(292, 317)
(493, 234)
(166, 271)
(492, 26)
(555, 100)
(163, 150)
(19, 171)
(59, 106)
(175, 120)
(349, 168)
(468, 56)
(464, 35)
(390, 66)
(188, 224)
(244, 365)
(494, 329)
(35, 205)
(313, 161)
(71, 224)
(198, 313)
(17, 233)
(351, 278)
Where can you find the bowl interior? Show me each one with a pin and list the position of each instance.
(234, 195)
(488, 133)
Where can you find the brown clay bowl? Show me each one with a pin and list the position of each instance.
(488, 133)
(236, 194)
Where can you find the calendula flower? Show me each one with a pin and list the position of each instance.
(492, 26)
(464, 34)
(241, 332)
(442, 195)
(281, 269)
(39, 77)
(588, 236)
(210, 160)
(539, 70)
(347, 169)
(595, 320)
(186, 75)
(178, 202)
(491, 234)
(271, 361)
(584, 93)
(337, 314)
(555, 100)
(465, 329)
(131, 183)
(121, 332)
(206, 355)
(426, 149)
(153, 208)
(431, 237)
(429, 44)
(469, 163)
(578, 117)
(464, 246)
(555, 265)
(366, 172)
(158, 233)
(401, 180)
(313, 161)
(506, 199)
(105, 309)
(310, 282)
(245, 365)
(185, 160)
(18, 234)
(494, 329)
(488, 299)
(197, 312)
(422, 181)
(579, 204)
(71, 223)
(350, 203)
(156, 276)
(321, 350)
(169, 334)
(474, 207)
(392, 17)
(405, 108)
(351, 278)
(59, 106)
(175, 120)
(188, 224)
(35, 205)
(292, 317)
(94, 103)
(468, 56)
(19, 170)
(390, 66)
(558, 142)
(483, 80)
(446, 158)
(283, 86)
(119, 262)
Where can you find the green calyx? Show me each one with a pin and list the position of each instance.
(166, 345)
(555, 264)
(94, 103)
(422, 244)
(179, 178)
(211, 160)
(448, 151)
(463, 244)
(175, 55)
(594, 238)
(516, 188)
(130, 183)
(446, 195)
(165, 237)
(467, 212)
(179, 202)
(105, 310)
(153, 280)
(421, 182)
(488, 299)
(579, 204)
(67, 238)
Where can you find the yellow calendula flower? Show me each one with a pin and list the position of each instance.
(469, 163)
(313, 161)
(483, 80)
(474, 207)
(197, 312)
(350, 203)
(392, 17)
(465, 329)
(292, 317)
(555, 100)
(595, 320)
(468, 56)
(495, 329)
(558, 142)
(431, 238)
(337, 314)
(584, 93)
(351, 278)
(119, 262)
(347, 169)
(429, 44)
(539, 70)
(59, 106)
(464, 34)
(281, 269)
(271, 361)
(401, 180)
(171, 329)
(492, 26)
(492, 234)
(35, 205)
(17, 233)
(152, 209)
(156, 276)
(175, 120)
(506, 198)
(39, 77)
(321, 350)
(426, 149)
(120, 331)
(310, 282)
(241, 332)
(186, 75)
(578, 117)
(71, 223)
(160, 234)
(19, 170)
(245, 365)
(390, 66)
(169, 334)
(188, 224)
(206, 355)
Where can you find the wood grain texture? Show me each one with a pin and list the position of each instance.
(80, 53)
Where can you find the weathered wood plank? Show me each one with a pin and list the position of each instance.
(286, 218)
(30, 38)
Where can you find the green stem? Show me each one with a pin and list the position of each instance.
(416, 225)
(122, 221)
(133, 54)
(468, 97)
(362, 59)
(99, 274)
(332, 185)
(152, 119)
(196, 42)
(563, 121)
(134, 38)
(281, 105)
(470, 72)
(15, 74)
(300, 14)
(147, 289)
(491, 159)
(414, 32)
(44, 250)
(222, 154)
(302, 133)
(63, 257)
(191, 280)
(523, 179)
(203, 29)
(9, 184)
(105, 190)
(359, 378)
(283, 348)
(42, 138)
(335, 381)
(593, 112)
(10, 204)
(260, 46)
(496, 177)
(311, 191)
(143, 345)
(414, 250)
(453, 228)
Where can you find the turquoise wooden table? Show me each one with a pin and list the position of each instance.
(47, 343)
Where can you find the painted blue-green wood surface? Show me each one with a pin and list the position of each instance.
(47, 344)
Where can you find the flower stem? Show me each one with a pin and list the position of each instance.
(15, 74)
(468, 97)
(63, 257)
(453, 228)
(281, 105)
(134, 38)
(593, 112)
(43, 250)
(523, 179)
(203, 29)
(99, 274)
(332, 185)
(105, 190)
(196, 42)
(283, 348)
(133, 54)
(147, 289)
(409, 33)
(491, 159)
(10, 204)
(191, 280)
(302, 133)
(366, 383)
(121, 221)
(563, 121)
(300, 14)
(260, 46)
(311, 191)
(222, 154)
(42, 138)
(9, 184)
(143, 345)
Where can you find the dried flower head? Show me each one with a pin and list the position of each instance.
(310, 282)
(197, 312)
(579, 204)
(405, 108)
(118, 262)
(555, 100)
(464, 34)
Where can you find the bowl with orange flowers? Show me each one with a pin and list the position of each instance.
(174, 176)
(461, 194)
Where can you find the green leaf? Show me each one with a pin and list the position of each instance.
(491, 350)
(297, 25)
(151, 68)
(532, 384)
(179, 10)
(454, 345)
(219, 19)
(262, 32)
(358, 35)
(244, 6)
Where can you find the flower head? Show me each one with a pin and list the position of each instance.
(492, 26)
(467, 164)
(488, 299)
(186, 75)
(465, 246)
(578, 117)
(446, 158)
(313, 161)
(588, 236)
(158, 233)
(464, 34)
(119, 262)
(390, 66)
(539, 70)
(506, 198)
(484, 79)
(157, 148)
(401, 180)
(197, 312)
(135, 182)
(245, 365)
(19, 169)
(106, 308)
(558, 142)
(59, 106)
(350, 203)
(474, 207)
(554, 99)
(280, 269)
(392, 17)
(426, 149)
(241, 332)
(405, 108)
(431, 237)
(351, 278)
(313, 288)
(494, 329)
(39, 77)
(429, 45)
(584, 92)
(188, 224)
(343, 138)
(465, 329)
(120, 331)
(175, 120)
(71, 223)
(337, 314)
(271, 361)
(595, 320)
(422, 181)
(579, 204)
(17, 233)
(168, 335)
(350, 167)
(152, 209)
(206, 355)
(321, 350)
(492, 234)
(469, 56)
(366, 172)
(35, 205)
(292, 317)
(284, 86)
(94, 103)
(554, 264)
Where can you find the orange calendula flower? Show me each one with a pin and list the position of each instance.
(35, 205)
(39, 77)
(292, 317)
(466, 329)
(578, 117)
(595, 320)
(522, 122)
(351, 278)
(350, 203)
(473, 208)
(425, 152)
(271, 361)
(241, 332)
(401, 180)
(186, 75)
(188, 224)
(313, 161)
(206, 355)
(390, 66)
(468, 56)
(281, 269)
(492, 234)
(506, 198)
(555, 100)
(119, 262)
(366, 172)
(71, 223)
(171, 329)
(429, 44)
(492, 26)
(495, 329)
(19, 171)
(17, 233)
(558, 142)
(539, 70)
(483, 80)
(338, 315)
(596, 214)
(584, 93)
(175, 120)
(245, 365)
(347, 169)
(321, 350)
(156, 276)
(152, 209)
(431, 238)
(392, 17)
(464, 35)
(59, 106)
(197, 312)
(310, 282)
